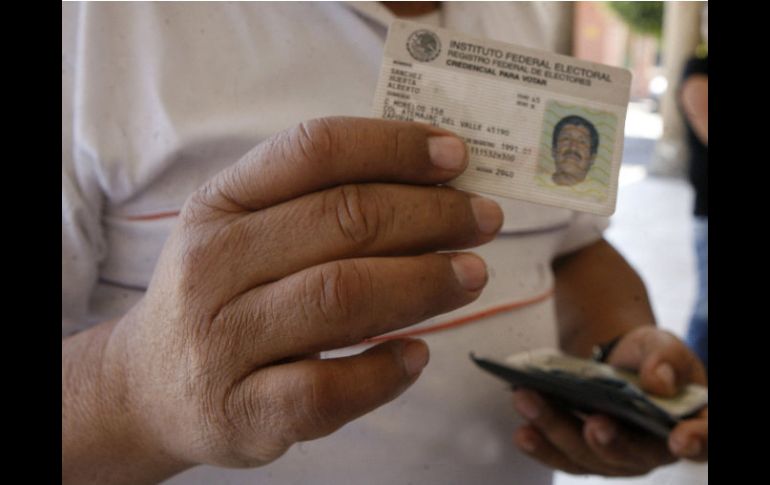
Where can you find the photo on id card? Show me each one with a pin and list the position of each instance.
(575, 151)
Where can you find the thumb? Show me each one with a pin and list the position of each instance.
(663, 361)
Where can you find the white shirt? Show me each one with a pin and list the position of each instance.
(158, 97)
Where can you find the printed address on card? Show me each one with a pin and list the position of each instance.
(539, 126)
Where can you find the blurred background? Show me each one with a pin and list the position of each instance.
(653, 40)
(653, 223)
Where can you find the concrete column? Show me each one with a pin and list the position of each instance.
(681, 35)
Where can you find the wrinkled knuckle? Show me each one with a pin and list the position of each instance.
(336, 293)
(193, 255)
(248, 433)
(204, 367)
(207, 259)
(356, 211)
(228, 329)
(211, 200)
(315, 140)
(198, 207)
(194, 262)
(196, 252)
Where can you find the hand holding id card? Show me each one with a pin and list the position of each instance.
(539, 126)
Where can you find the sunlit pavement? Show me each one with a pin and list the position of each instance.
(652, 227)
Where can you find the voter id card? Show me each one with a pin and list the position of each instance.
(540, 127)
(588, 386)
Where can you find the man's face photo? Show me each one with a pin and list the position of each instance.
(574, 151)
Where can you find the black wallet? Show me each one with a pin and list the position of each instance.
(590, 387)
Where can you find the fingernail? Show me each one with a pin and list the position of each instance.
(488, 214)
(604, 434)
(415, 355)
(666, 374)
(447, 152)
(471, 271)
(526, 406)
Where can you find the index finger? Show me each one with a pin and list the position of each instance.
(326, 152)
